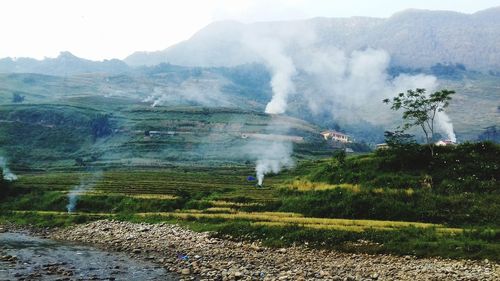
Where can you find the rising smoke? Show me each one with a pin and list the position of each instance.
(86, 184)
(7, 173)
(273, 158)
(444, 124)
(204, 92)
(348, 86)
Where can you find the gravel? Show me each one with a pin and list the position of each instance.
(199, 256)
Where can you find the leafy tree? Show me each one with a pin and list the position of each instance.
(420, 109)
(398, 138)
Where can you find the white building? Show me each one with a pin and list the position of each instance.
(336, 136)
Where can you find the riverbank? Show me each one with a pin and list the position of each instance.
(200, 255)
(25, 256)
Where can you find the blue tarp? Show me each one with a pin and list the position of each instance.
(250, 178)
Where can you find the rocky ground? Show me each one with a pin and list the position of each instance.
(200, 256)
(27, 257)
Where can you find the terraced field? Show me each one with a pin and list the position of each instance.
(225, 192)
(229, 184)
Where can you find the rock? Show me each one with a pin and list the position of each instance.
(185, 271)
(238, 275)
(223, 259)
(144, 229)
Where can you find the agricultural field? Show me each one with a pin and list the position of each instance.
(296, 206)
(116, 156)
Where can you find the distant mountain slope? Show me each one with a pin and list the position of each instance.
(246, 87)
(65, 64)
(120, 133)
(413, 38)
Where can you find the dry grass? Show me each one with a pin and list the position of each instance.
(353, 228)
(137, 196)
(303, 185)
(220, 210)
(278, 218)
(222, 203)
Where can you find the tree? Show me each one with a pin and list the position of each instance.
(420, 109)
(398, 139)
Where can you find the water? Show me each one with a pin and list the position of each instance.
(43, 259)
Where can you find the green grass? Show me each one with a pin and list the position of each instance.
(307, 204)
(422, 242)
(53, 135)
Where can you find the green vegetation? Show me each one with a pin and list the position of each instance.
(3, 186)
(62, 137)
(420, 110)
(400, 201)
(189, 164)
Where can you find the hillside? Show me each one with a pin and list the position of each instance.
(247, 88)
(64, 136)
(419, 38)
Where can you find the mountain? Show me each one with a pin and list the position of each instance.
(413, 38)
(63, 65)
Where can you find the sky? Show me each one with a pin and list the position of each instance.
(105, 29)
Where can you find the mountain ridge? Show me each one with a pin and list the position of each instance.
(419, 38)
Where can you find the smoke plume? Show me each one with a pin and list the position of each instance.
(346, 85)
(204, 92)
(86, 184)
(7, 173)
(273, 157)
(445, 125)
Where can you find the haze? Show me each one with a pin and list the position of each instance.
(114, 29)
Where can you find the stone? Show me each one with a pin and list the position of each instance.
(238, 275)
(185, 271)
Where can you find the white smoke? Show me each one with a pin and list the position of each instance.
(444, 125)
(7, 173)
(204, 92)
(273, 157)
(348, 86)
(86, 184)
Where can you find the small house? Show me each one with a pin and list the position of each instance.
(335, 136)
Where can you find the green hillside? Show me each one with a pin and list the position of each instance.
(121, 134)
(246, 88)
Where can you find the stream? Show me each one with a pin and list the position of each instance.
(25, 257)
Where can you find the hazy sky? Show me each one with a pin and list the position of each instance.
(103, 29)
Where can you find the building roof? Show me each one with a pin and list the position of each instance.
(332, 132)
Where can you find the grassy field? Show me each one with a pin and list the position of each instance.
(293, 207)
